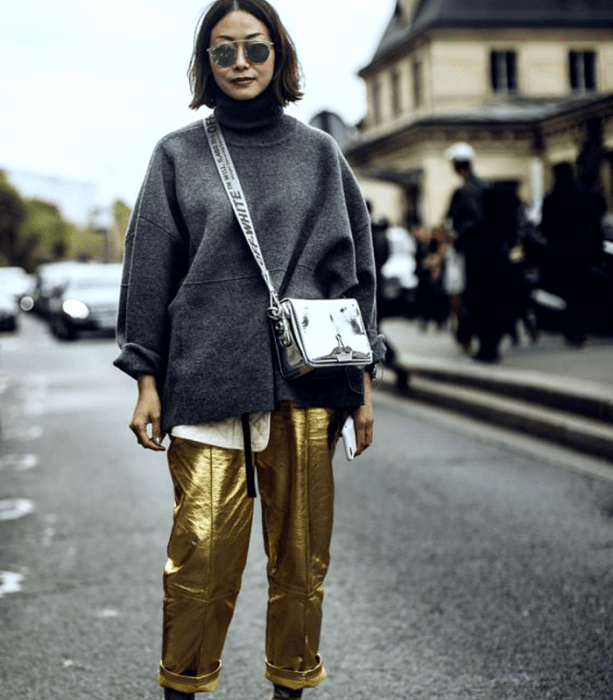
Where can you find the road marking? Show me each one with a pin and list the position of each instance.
(23, 434)
(10, 582)
(19, 463)
(17, 344)
(48, 535)
(31, 408)
(14, 508)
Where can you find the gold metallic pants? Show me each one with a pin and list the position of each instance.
(208, 546)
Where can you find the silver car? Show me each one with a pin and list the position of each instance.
(87, 301)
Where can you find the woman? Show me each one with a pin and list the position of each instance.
(194, 332)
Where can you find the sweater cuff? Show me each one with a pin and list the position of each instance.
(377, 343)
(135, 359)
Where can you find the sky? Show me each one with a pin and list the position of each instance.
(88, 88)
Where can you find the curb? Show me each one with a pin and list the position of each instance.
(578, 415)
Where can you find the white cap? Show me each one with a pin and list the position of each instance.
(461, 152)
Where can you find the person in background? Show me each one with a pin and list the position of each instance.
(193, 330)
(485, 259)
(521, 279)
(451, 263)
(381, 249)
(432, 298)
(571, 225)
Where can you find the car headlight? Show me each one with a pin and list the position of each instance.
(75, 309)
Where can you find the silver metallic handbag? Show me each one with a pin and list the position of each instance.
(310, 334)
(319, 334)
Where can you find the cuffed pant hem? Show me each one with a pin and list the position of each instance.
(295, 680)
(189, 684)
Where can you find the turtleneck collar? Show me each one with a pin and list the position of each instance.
(247, 115)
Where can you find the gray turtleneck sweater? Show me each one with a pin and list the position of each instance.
(193, 303)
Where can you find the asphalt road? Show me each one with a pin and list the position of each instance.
(465, 563)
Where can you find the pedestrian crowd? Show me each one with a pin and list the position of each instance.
(491, 268)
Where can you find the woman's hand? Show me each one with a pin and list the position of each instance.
(148, 411)
(364, 419)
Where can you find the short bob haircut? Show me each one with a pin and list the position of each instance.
(286, 78)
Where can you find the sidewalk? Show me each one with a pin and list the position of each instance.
(547, 360)
(547, 388)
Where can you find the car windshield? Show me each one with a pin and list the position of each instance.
(97, 279)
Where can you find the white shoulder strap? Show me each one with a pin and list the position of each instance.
(232, 185)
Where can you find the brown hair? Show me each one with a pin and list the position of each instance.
(286, 78)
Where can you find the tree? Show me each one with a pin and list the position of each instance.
(43, 236)
(34, 231)
(12, 213)
(122, 214)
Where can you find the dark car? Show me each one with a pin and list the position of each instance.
(47, 283)
(87, 301)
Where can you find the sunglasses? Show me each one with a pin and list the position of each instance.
(224, 55)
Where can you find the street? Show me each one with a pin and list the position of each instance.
(462, 566)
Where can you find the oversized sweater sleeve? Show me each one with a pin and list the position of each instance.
(365, 290)
(155, 261)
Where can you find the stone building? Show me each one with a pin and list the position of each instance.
(528, 83)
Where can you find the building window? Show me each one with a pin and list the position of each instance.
(582, 65)
(503, 71)
(396, 97)
(376, 102)
(418, 83)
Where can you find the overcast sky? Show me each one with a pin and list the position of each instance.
(87, 88)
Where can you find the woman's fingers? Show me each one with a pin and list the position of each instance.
(150, 442)
(147, 414)
(364, 428)
(364, 419)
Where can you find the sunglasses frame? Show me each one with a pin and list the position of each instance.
(212, 49)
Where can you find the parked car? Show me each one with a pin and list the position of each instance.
(48, 281)
(14, 283)
(87, 300)
(9, 312)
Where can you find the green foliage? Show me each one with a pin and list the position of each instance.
(12, 213)
(43, 233)
(122, 214)
(86, 244)
(33, 231)
(101, 245)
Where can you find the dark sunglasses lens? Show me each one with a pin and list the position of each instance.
(257, 52)
(224, 55)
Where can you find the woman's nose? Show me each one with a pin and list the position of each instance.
(241, 57)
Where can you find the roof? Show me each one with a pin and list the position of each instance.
(517, 110)
(430, 14)
(524, 115)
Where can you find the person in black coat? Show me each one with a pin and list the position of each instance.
(485, 255)
(572, 229)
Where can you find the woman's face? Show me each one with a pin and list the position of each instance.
(242, 80)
